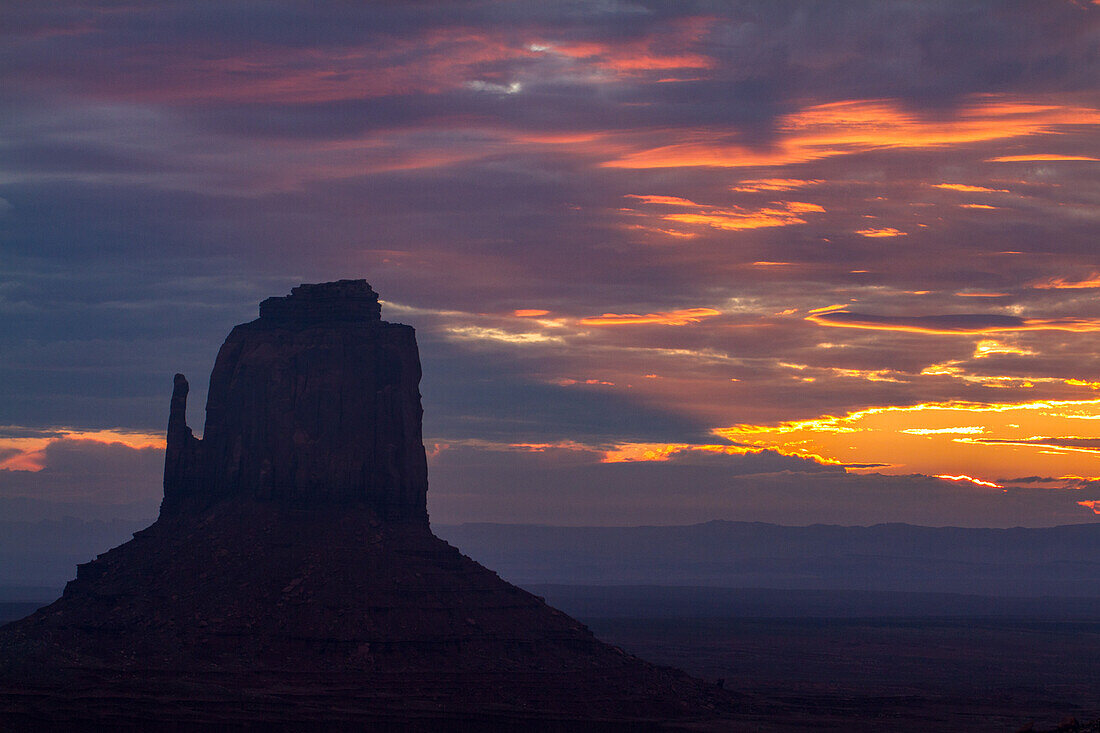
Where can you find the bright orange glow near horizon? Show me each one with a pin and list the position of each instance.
(996, 441)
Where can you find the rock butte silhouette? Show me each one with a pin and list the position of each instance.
(292, 578)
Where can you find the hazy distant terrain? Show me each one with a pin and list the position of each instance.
(890, 627)
(701, 602)
(704, 569)
(45, 553)
(1054, 561)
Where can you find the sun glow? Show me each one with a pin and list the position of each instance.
(970, 479)
(927, 438)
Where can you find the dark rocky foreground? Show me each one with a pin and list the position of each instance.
(292, 579)
(256, 613)
(900, 674)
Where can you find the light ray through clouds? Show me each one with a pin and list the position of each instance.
(852, 237)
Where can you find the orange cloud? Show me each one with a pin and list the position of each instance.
(968, 188)
(633, 452)
(990, 347)
(884, 232)
(842, 128)
(1082, 383)
(1039, 157)
(1093, 281)
(778, 214)
(22, 460)
(774, 184)
(667, 318)
(28, 454)
(635, 58)
(563, 138)
(529, 313)
(733, 220)
(1093, 505)
(665, 200)
(630, 58)
(836, 306)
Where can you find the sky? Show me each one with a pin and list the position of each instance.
(667, 261)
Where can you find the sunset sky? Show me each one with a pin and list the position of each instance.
(668, 262)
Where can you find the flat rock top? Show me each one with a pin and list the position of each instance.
(343, 300)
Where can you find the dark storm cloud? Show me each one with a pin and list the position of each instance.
(1089, 444)
(15, 431)
(958, 323)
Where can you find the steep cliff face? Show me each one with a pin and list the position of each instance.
(315, 402)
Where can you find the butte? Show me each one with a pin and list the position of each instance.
(292, 579)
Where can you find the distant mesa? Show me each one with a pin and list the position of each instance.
(292, 577)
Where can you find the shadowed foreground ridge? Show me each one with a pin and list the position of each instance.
(292, 576)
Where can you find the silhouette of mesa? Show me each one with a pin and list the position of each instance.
(292, 579)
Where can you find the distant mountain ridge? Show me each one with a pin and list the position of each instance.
(1050, 561)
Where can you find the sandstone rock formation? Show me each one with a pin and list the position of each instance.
(292, 577)
(316, 402)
